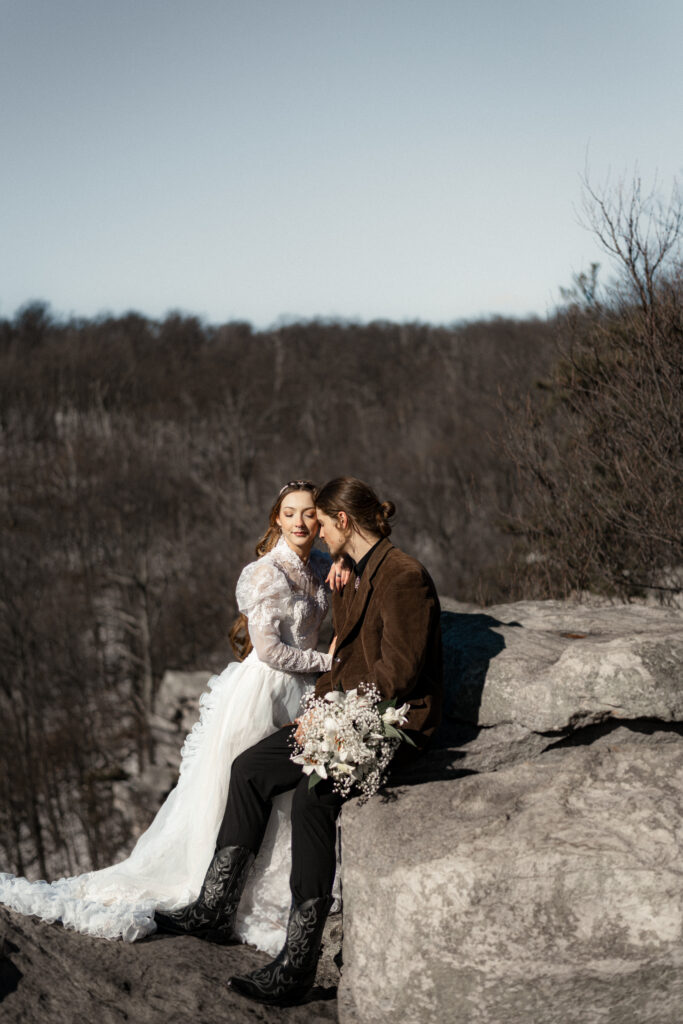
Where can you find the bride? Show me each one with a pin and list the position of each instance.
(283, 596)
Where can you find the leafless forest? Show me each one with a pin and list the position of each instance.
(139, 460)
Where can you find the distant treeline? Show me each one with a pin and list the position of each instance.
(140, 459)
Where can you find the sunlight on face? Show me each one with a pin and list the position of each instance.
(298, 522)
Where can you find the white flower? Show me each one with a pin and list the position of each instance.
(396, 716)
(335, 697)
(308, 766)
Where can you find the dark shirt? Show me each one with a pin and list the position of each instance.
(360, 565)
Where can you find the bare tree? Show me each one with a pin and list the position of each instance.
(599, 445)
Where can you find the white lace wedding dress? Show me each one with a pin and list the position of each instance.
(285, 602)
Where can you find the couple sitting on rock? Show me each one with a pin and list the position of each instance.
(386, 621)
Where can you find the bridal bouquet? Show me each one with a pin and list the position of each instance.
(349, 737)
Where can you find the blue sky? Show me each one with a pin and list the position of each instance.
(289, 158)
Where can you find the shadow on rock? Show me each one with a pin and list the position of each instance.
(470, 643)
(620, 729)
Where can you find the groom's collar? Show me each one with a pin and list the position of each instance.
(375, 557)
(362, 562)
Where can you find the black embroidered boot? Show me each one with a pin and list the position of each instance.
(212, 915)
(288, 979)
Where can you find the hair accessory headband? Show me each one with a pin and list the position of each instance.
(305, 485)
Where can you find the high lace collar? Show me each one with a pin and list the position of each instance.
(290, 557)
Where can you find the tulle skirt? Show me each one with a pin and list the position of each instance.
(242, 705)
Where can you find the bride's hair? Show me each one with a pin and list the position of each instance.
(359, 501)
(239, 634)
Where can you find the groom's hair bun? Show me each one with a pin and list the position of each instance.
(359, 502)
(384, 514)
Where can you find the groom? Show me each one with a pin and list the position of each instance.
(387, 632)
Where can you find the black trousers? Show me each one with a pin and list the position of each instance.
(263, 772)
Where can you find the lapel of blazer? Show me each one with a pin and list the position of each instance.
(361, 596)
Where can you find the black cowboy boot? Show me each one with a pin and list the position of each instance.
(212, 915)
(289, 977)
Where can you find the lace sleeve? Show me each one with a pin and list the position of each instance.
(263, 595)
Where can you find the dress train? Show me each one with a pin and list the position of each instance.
(242, 705)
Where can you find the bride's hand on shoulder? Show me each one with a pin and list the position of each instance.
(338, 576)
(301, 725)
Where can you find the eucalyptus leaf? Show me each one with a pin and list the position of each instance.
(313, 780)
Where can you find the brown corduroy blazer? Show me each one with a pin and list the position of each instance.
(388, 633)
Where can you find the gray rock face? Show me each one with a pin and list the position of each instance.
(177, 709)
(548, 667)
(528, 870)
(548, 892)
